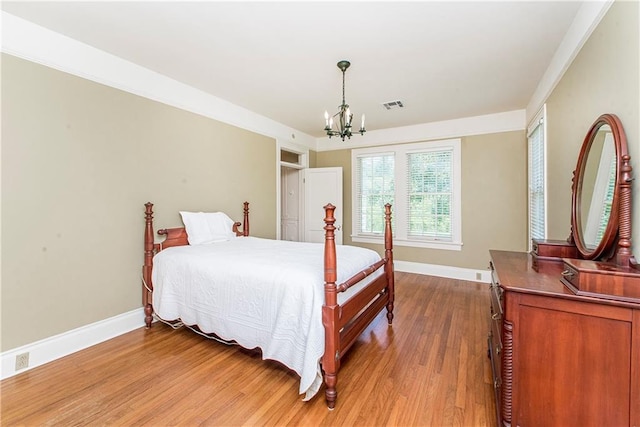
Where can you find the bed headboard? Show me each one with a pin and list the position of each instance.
(178, 236)
(175, 237)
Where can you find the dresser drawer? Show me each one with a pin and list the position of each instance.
(496, 332)
(497, 299)
(571, 276)
(497, 314)
(553, 249)
(495, 356)
(601, 279)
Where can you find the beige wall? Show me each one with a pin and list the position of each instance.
(79, 160)
(494, 201)
(603, 78)
(313, 156)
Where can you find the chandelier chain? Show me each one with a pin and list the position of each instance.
(343, 97)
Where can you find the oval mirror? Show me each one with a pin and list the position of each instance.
(595, 198)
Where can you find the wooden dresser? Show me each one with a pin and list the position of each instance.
(560, 359)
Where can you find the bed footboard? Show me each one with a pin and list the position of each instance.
(343, 324)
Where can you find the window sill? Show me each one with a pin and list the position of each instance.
(432, 244)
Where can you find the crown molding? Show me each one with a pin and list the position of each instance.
(34, 43)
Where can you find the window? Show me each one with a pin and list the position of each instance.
(292, 157)
(430, 194)
(421, 181)
(536, 136)
(375, 189)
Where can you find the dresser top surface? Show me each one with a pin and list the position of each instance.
(515, 273)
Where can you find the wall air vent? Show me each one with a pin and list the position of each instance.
(392, 104)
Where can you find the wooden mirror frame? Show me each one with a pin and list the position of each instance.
(615, 245)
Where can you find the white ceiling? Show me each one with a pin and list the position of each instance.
(443, 60)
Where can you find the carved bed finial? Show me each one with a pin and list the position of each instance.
(245, 229)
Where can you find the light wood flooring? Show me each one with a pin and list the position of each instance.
(429, 369)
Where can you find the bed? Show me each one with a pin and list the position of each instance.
(270, 294)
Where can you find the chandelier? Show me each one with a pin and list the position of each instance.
(343, 117)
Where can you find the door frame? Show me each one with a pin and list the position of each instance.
(303, 163)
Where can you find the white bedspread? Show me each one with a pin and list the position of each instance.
(258, 292)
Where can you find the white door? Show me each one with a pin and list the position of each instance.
(290, 206)
(321, 187)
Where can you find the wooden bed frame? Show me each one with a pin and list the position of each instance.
(342, 323)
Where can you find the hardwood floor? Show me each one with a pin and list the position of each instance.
(430, 368)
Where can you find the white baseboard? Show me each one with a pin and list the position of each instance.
(55, 347)
(52, 348)
(449, 272)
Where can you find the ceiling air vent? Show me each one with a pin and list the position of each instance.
(392, 104)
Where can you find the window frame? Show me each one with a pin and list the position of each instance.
(400, 210)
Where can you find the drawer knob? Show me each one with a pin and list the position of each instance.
(568, 273)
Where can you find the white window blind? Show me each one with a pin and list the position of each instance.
(375, 187)
(537, 196)
(430, 194)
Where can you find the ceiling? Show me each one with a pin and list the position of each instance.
(443, 60)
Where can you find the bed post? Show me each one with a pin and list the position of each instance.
(245, 219)
(388, 266)
(147, 287)
(331, 356)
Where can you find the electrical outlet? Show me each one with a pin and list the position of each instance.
(478, 276)
(22, 361)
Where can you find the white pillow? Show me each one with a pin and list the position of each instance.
(207, 227)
